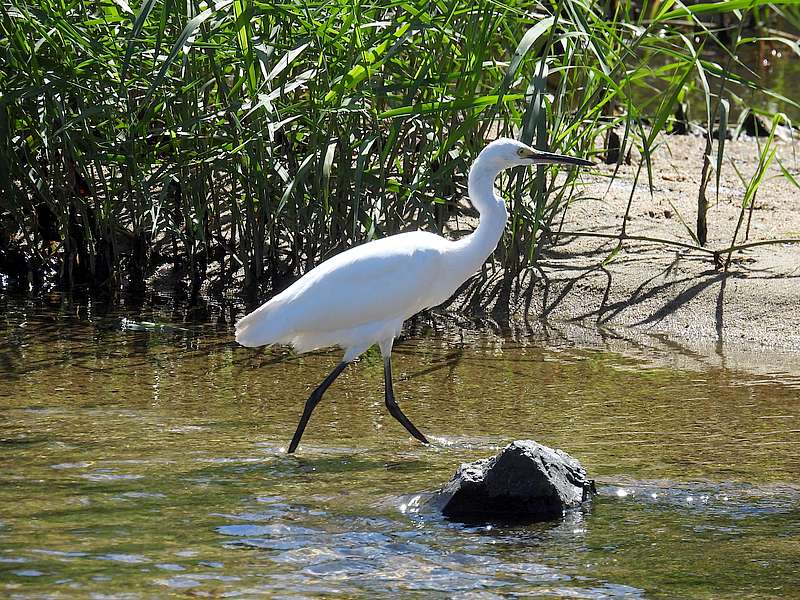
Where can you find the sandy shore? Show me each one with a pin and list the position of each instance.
(656, 298)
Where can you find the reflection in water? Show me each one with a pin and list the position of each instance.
(767, 64)
(142, 456)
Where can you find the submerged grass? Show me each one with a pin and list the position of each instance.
(250, 140)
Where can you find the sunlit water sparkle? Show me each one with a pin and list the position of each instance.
(143, 457)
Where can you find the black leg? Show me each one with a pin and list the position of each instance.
(312, 402)
(391, 404)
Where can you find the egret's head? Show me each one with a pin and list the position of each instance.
(506, 153)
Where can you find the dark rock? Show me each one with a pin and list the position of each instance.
(680, 126)
(756, 125)
(524, 482)
(728, 134)
(612, 147)
(760, 126)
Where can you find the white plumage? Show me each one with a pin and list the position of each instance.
(363, 295)
(353, 300)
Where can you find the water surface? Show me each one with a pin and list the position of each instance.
(143, 455)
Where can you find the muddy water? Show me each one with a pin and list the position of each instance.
(769, 65)
(143, 460)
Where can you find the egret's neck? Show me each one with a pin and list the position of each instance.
(477, 246)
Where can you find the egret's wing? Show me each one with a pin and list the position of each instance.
(389, 278)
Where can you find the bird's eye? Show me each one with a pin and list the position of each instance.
(520, 151)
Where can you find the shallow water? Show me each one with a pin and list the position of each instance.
(768, 65)
(141, 460)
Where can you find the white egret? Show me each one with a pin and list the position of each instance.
(362, 296)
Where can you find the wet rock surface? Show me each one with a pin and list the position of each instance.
(526, 482)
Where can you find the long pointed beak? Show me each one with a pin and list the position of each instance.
(548, 158)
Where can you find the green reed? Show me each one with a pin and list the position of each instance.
(242, 142)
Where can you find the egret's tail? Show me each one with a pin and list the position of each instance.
(259, 328)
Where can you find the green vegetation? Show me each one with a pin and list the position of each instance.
(250, 140)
